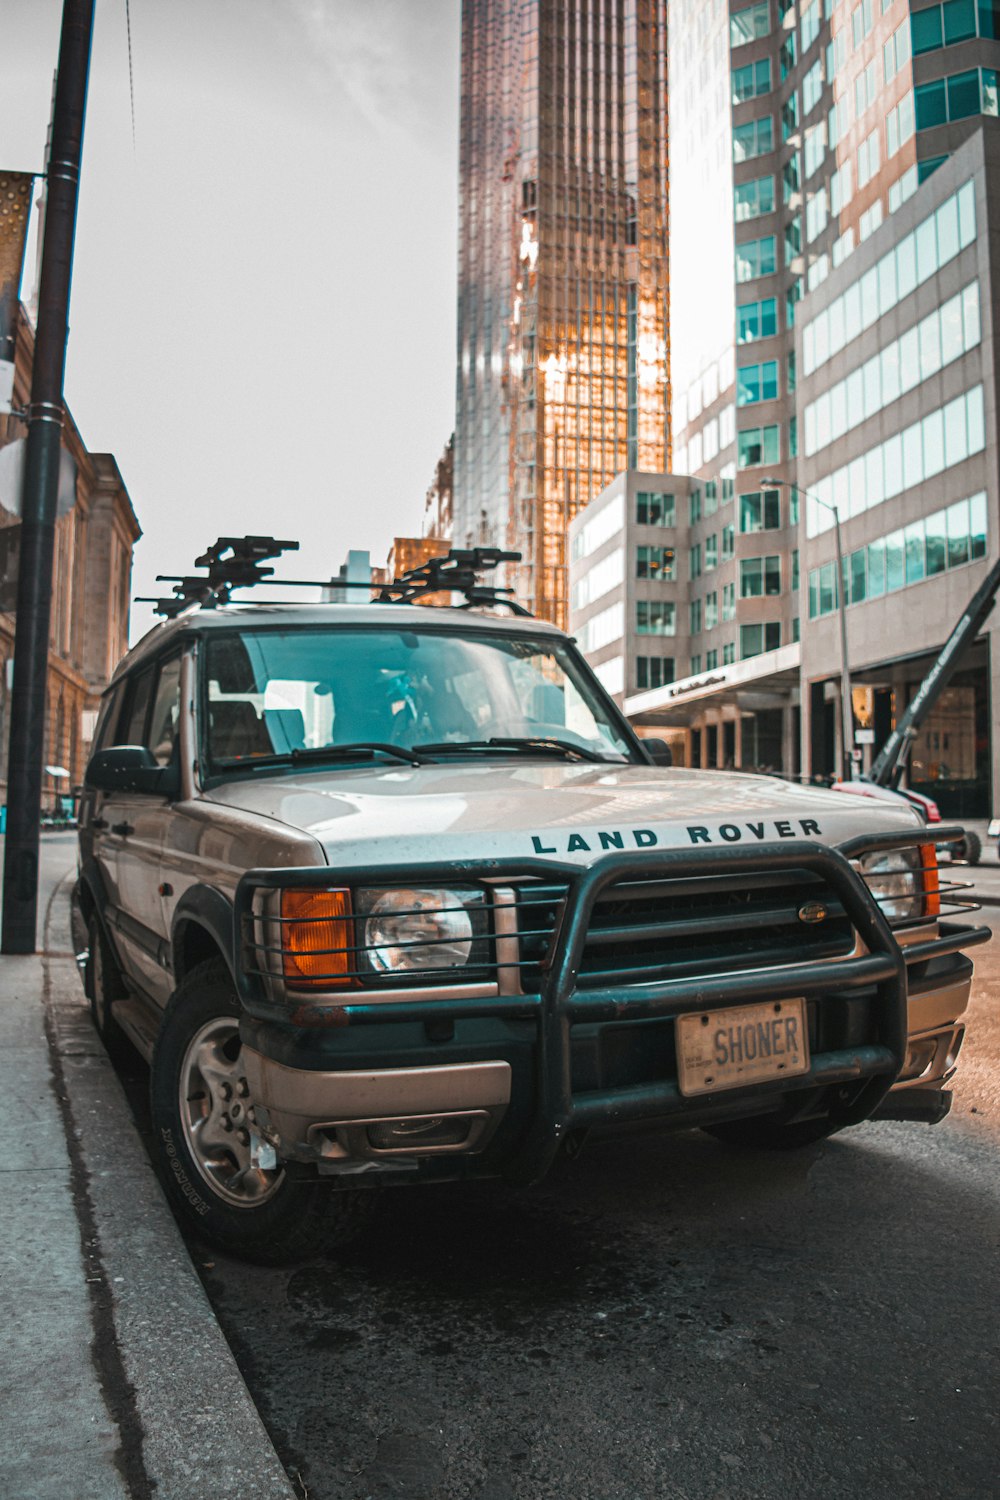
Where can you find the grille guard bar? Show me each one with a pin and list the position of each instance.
(559, 1002)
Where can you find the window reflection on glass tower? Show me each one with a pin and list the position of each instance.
(562, 296)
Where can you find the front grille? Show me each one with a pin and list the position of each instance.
(652, 930)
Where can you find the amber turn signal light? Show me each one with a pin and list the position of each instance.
(932, 880)
(317, 939)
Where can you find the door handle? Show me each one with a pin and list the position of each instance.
(123, 828)
(99, 823)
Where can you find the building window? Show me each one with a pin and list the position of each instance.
(711, 660)
(711, 552)
(655, 562)
(862, 20)
(760, 511)
(729, 601)
(810, 25)
(757, 383)
(947, 333)
(791, 177)
(755, 138)
(866, 88)
(728, 542)
(899, 124)
(654, 509)
(748, 24)
(694, 506)
(815, 148)
(812, 86)
(949, 538)
(793, 237)
(760, 576)
(790, 116)
(653, 671)
(787, 55)
(756, 320)
(753, 198)
(757, 638)
(816, 214)
(940, 237)
(694, 559)
(695, 665)
(695, 614)
(751, 81)
(758, 445)
(868, 158)
(711, 610)
(728, 654)
(655, 617)
(756, 258)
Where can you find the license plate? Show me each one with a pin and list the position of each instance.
(727, 1049)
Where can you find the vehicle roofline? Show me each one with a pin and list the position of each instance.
(196, 621)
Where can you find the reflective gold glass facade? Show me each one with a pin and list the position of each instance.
(562, 308)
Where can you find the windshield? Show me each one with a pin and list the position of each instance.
(287, 694)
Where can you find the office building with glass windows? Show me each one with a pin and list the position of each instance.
(562, 294)
(832, 192)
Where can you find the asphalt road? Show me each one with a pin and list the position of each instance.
(665, 1317)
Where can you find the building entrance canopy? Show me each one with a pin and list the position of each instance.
(766, 681)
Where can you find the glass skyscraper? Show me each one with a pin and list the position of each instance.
(563, 271)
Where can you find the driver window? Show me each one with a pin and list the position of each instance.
(166, 712)
(132, 729)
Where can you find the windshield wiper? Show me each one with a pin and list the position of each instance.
(546, 744)
(363, 750)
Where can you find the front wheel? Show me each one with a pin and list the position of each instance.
(203, 1116)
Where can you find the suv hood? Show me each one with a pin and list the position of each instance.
(397, 814)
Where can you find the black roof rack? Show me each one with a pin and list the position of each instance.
(237, 562)
(458, 572)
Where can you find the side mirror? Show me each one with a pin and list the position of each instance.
(659, 752)
(130, 768)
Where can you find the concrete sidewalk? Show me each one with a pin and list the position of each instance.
(115, 1380)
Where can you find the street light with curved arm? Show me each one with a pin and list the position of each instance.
(846, 703)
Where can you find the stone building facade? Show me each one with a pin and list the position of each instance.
(91, 590)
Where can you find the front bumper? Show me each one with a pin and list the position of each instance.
(478, 1084)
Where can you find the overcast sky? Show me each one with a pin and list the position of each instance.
(262, 326)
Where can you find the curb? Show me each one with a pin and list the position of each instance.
(187, 1425)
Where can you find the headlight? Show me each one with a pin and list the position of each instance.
(902, 881)
(411, 929)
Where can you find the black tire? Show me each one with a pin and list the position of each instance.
(267, 1216)
(969, 848)
(765, 1133)
(103, 986)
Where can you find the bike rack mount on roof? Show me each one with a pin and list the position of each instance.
(237, 562)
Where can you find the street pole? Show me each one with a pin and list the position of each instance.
(846, 701)
(41, 483)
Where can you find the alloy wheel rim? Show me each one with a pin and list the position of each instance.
(218, 1116)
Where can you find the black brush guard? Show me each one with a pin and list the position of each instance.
(869, 1069)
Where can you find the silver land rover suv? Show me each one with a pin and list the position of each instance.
(388, 893)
